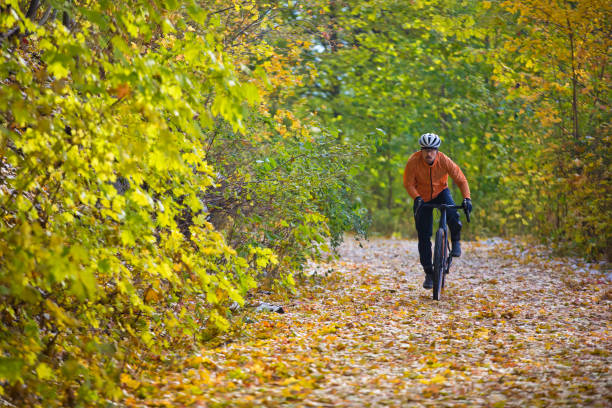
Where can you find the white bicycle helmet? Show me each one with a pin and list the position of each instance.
(430, 141)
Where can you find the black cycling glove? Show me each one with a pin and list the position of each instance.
(467, 204)
(417, 204)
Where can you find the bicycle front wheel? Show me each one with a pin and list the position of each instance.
(439, 256)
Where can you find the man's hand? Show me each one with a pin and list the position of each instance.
(467, 204)
(417, 204)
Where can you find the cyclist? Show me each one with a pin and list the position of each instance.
(426, 180)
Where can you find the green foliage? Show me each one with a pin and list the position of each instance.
(159, 159)
(144, 186)
(517, 90)
(557, 67)
(280, 192)
(393, 70)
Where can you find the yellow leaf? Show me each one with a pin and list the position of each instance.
(127, 238)
(68, 217)
(43, 371)
(151, 295)
(58, 70)
(141, 198)
(437, 379)
(129, 381)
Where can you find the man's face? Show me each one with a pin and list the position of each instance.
(429, 155)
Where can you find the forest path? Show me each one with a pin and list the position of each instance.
(512, 329)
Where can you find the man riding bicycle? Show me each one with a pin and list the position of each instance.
(426, 180)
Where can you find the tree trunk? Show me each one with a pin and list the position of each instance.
(575, 126)
(31, 13)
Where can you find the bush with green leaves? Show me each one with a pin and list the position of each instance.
(137, 195)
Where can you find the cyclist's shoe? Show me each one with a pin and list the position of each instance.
(428, 284)
(456, 252)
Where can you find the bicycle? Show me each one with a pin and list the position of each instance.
(442, 259)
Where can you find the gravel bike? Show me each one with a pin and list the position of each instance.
(441, 256)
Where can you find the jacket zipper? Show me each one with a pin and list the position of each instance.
(431, 183)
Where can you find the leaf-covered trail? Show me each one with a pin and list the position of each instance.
(510, 331)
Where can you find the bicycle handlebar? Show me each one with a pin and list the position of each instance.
(448, 206)
(455, 207)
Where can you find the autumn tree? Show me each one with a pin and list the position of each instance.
(151, 173)
(556, 64)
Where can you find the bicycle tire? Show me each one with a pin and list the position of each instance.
(439, 256)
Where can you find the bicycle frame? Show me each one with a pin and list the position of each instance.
(442, 261)
(443, 208)
(442, 224)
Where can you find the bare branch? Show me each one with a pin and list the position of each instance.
(49, 13)
(34, 5)
(248, 26)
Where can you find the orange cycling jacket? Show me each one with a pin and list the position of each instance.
(421, 179)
